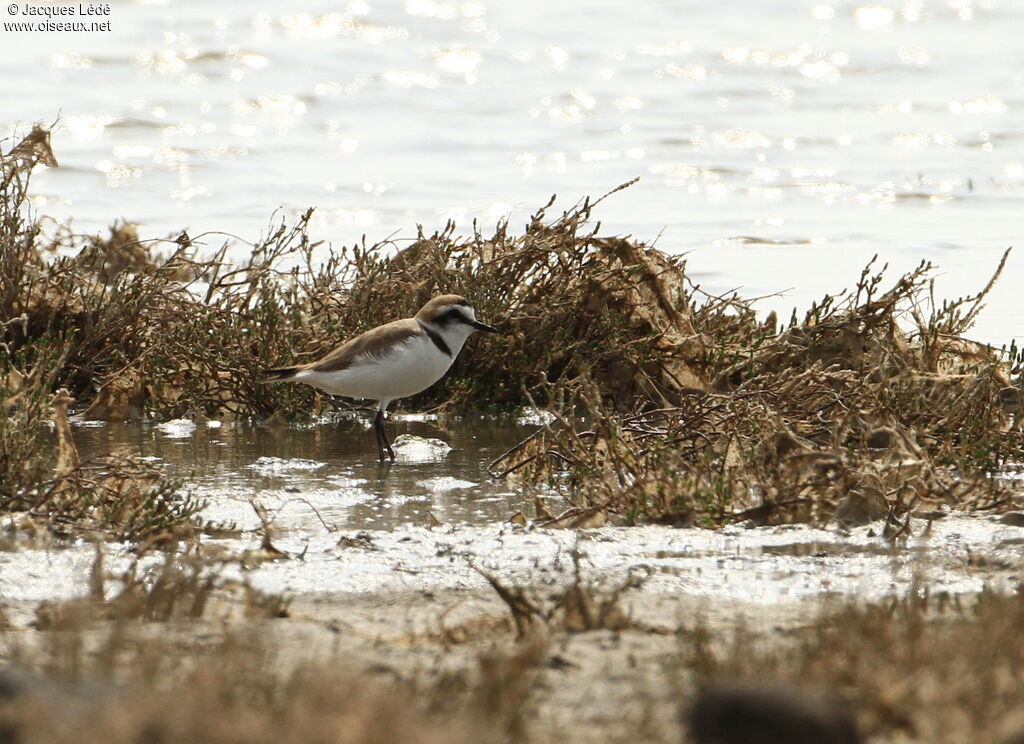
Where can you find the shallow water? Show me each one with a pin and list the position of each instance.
(329, 471)
(780, 144)
(350, 525)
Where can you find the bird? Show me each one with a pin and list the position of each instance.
(392, 361)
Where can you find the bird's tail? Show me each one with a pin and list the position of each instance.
(281, 374)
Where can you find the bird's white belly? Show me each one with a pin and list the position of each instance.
(410, 368)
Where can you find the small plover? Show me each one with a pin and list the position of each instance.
(394, 360)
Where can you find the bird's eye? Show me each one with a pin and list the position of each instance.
(453, 314)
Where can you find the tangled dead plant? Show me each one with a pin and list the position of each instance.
(841, 415)
(578, 606)
(118, 496)
(180, 586)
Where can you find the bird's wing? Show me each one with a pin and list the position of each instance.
(374, 343)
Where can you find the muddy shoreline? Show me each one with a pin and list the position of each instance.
(408, 622)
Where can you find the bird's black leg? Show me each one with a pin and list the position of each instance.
(383, 445)
(376, 433)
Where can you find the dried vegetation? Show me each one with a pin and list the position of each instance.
(842, 415)
(917, 669)
(870, 405)
(123, 685)
(576, 607)
(170, 587)
(160, 653)
(147, 664)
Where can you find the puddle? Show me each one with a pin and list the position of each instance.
(329, 472)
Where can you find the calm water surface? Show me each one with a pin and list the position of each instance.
(329, 472)
(780, 144)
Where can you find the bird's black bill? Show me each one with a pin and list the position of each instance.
(477, 325)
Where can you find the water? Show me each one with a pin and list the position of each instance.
(780, 144)
(350, 526)
(327, 475)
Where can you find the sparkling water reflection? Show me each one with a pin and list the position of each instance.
(780, 143)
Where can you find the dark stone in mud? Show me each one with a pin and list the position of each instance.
(362, 540)
(1014, 519)
(769, 714)
(882, 438)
